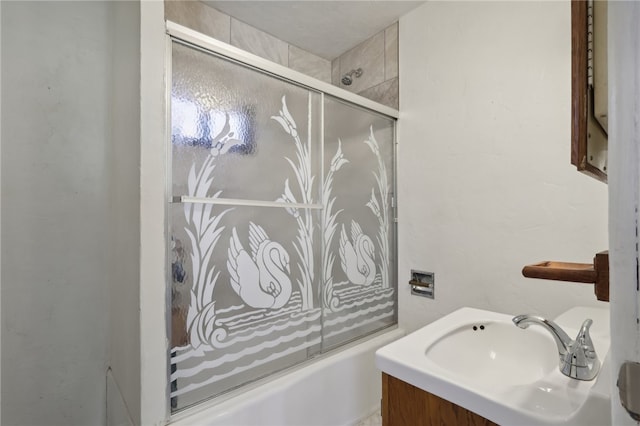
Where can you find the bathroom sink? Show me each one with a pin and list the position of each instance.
(479, 352)
(481, 361)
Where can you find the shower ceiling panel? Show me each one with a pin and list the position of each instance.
(325, 28)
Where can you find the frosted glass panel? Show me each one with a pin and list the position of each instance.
(244, 264)
(261, 130)
(280, 226)
(243, 298)
(359, 293)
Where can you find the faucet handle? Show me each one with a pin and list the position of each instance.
(583, 339)
(581, 362)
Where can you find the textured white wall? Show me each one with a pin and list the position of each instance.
(485, 181)
(124, 203)
(55, 132)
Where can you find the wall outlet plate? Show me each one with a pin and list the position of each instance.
(423, 284)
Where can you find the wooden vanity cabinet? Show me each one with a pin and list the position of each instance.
(407, 405)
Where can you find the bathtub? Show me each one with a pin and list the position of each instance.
(339, 389)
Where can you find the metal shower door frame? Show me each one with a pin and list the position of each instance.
(184, 35)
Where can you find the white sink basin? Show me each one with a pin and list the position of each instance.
(479, 352)
(481, 361)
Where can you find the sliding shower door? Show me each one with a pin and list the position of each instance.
(359, 293)
(280, 240)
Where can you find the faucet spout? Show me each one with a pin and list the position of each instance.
(578, 358)
(563, 341)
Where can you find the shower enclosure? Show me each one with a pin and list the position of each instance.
(281, 221)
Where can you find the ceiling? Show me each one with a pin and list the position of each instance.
(324, 28)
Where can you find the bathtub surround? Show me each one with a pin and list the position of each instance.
(378, 58)
(369, 56)
(391, 52)
(200, 17)
(335, 72)
(485, 182)
(258, 42)
(211, 22)
(153, 405)
(309, 64)
(385, 93)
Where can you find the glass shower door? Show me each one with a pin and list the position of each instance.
(281, 224)
(245, 250)
(359, 291)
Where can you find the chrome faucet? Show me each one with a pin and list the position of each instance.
(578, 358)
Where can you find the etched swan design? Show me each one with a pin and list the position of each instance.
(357, 256)
(262, 279)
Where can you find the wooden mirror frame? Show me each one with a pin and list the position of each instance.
(588, 138)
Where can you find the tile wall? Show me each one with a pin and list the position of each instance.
(377, 56)
(209, 21)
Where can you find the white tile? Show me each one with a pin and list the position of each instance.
(335, 72)
(368, 55)
(199, 17)
(259, 43)
(309, 64)
(385, 93)
(391, 52)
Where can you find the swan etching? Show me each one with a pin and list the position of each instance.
(262, 279)
(357, 256)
